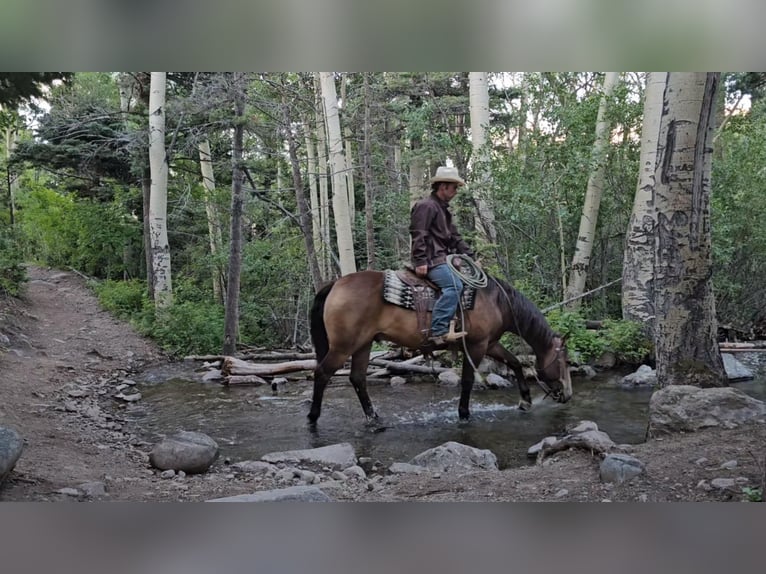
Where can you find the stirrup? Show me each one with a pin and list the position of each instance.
(454, 335)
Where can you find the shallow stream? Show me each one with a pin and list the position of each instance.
(248, 422)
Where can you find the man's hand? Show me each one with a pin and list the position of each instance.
(421, 270)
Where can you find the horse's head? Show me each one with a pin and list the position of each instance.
(553, 369)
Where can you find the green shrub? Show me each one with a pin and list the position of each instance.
(584, 345)
(12, 271)
(125, 299)
(187, 328)
(626, 340)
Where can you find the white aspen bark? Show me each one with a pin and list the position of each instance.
(340, 204)
(685, 339)
(213, 221)
(324, 194)
(349, 154)
(158, 198)
(584, 248)
(638, 259)
(478, 95)
(316, 225)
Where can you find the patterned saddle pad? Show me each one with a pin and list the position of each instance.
(414, 292)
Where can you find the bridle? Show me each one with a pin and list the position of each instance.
(543, 385)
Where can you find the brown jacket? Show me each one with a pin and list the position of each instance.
(434, 236)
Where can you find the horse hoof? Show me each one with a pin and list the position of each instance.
(525, 406)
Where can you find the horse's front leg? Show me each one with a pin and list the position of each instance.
(472, 356)
(497, 351)
(358, 377)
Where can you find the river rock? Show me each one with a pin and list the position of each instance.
(644, 376)
(290, 494)
(453, 456)
(337, 456)
(449, 378)
(11, 445)
(687, 408)
(619, 468)
(192, 452)
(495, 381)
(257, 467)
(735, 371)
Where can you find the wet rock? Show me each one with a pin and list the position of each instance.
(192, 452)
(11, 446)
(449, 378)
(735, 371)
(338, 456)
(397, 381)
(453, 456)
(644, 376)
(619, 468)
(495, 381)
(687, 408)
(129, 398)
(290, 494)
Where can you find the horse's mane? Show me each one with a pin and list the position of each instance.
(528, 321)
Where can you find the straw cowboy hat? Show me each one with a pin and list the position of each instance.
(447, 174)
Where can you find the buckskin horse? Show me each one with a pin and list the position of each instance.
(350, 313)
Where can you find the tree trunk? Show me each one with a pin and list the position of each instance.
(146, 189)
(300, 197)
(479, 104)
(581, 258)
(369, 191)
(686, 328)
(349, 153)
(324, 195)
(316, 221)
(213, 221)
(158, 199)
(638, 260)
(340, 206)
(231, 318)
(417, 172)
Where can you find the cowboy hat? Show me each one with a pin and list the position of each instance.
(447, 174)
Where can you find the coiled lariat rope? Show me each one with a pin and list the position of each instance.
(468, 271)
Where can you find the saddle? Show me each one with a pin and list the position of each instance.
(405, 289)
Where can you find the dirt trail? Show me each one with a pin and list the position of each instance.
(66, 358)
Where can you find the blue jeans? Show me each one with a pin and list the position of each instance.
(446, 305)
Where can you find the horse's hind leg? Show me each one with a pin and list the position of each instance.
(324, 370)
(359, 361)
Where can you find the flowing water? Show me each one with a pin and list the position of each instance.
(248, 422)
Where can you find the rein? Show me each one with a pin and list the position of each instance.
(543, 385)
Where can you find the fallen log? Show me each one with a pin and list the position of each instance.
(244, 380)
(234, 366)
(404, 367)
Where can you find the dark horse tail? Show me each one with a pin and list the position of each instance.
(318, 330)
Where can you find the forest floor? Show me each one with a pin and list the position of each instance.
(59, 352)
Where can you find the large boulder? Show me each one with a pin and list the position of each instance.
(192, 452)
(338, 456)
(11, 445)
(686, 408)
(453, 457)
